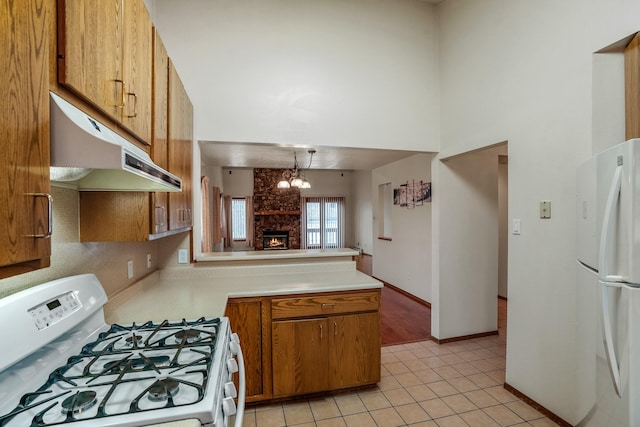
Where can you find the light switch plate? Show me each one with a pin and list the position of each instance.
(130, 269)
(516, 226)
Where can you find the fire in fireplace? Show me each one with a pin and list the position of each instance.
(275, 239)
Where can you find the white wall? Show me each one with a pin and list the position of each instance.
(503, 228)
(361, 73)
(522, 71)
(405, 261)
(363, 211)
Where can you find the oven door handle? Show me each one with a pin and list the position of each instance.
(242, 385)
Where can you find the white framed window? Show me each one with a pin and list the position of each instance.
(323, 222)
(238, 219)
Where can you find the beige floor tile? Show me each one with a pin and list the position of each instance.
(459, 403)
(442, 388)
(349, 404)
(396, 368)
(363, 419)
(483, 380)
(415, 365)
(497, 375)
(451, 421)
(481, 398)
(389, 383)
(398, 397)
(421, 392)
(408, 379)
(503, 415)
(434, 362)
(297, 413)
(525, 411)
(405, 355)
(323, 408)
(466, 368)
(374, 400)
(388, 358)
(249, 420)
(478, 418)
(543, 422)
(451, 359)
(429, 423)
(422, 353)
(331, 422)
(484, 365)
(500, 394)
(412, 413)
(387, 417)
(446, 372)
(270, 418)
(428, 376)
(462, 384)
(436, 408)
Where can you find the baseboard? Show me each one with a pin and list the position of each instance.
(547, 413)
(502, 298)
(464, 337)
(407, 294)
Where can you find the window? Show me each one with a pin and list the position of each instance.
(238, 219)
(323, 222)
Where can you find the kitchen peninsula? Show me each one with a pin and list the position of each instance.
(311, 310)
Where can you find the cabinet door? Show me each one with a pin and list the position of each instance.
(300, 354)
(90, 51)
(159, 149)
(137, 69)
(24, 138)
(245, 317)
(354, 350)
(180, 146)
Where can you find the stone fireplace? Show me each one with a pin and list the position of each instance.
(274, 208)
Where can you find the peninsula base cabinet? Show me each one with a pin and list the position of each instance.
(310, 343)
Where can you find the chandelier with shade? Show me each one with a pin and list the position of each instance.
(295, 177)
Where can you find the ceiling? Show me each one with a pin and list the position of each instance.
(272, 156)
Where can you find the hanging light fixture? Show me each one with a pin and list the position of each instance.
(295, 177)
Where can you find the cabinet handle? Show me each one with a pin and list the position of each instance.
(163, 215)
(328, 305)
(320, 331)
(49, 213)
(122, 93)
(335, 329)
(135, 105)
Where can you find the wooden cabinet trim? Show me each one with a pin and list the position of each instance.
(324, 304)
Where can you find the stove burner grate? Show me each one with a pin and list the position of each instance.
(188, 336)
(79, 402)
(162, 389)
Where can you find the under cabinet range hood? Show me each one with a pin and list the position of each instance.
(92, 157)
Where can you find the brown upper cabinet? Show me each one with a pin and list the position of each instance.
(105, 57)
(137, 216)
(632, 88)
(180, 147)
(25, 203)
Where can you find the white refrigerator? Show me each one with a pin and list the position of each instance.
(608, 305)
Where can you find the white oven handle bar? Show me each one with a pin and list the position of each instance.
(236, 348)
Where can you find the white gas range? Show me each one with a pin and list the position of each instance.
(62, 364)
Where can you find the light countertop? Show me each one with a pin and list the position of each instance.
(193, 292)
(276, 255)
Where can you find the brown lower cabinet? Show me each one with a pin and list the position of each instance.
(308, 343)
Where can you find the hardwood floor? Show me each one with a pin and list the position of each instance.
(403, 319)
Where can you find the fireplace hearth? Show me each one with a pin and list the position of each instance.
(275, 240)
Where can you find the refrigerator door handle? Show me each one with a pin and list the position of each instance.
(606, 236)
(607, 331)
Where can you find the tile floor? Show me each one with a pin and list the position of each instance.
(423, 384)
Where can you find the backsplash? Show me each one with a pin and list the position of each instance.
(108, 261)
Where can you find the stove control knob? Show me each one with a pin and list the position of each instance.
(232, 365)
(228, 406)
(235, 338)
(230, 390)
(234, 347)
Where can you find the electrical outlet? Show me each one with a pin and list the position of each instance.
(183, 256)
(130, 268)
(149, 260)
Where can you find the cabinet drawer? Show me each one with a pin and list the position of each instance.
(324, 304)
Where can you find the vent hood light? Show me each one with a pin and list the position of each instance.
(94, 158)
